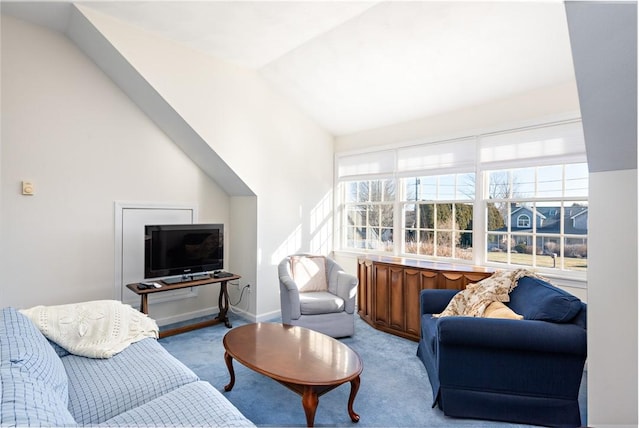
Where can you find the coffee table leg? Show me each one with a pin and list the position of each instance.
(310, 404)
(229, 360)
(355, 385)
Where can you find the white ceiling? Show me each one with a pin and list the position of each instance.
(354, 66)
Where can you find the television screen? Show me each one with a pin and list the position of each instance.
(182, 249)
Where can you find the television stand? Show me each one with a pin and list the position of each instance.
(223, 301)
(185, 278)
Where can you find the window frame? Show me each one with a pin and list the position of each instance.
(481, 163)
(533, 203)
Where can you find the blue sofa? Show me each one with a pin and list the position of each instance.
(523, 371)
(41, 384)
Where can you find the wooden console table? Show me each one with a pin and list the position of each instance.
(389, 289)
(223, 301)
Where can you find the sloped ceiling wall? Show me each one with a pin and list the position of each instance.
(604, 42)
(103, 53)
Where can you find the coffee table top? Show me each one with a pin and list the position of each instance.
(293, 354)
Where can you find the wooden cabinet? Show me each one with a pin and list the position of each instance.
(389, 290)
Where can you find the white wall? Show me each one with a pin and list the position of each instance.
(264, 140)
(84, 144)
(544, 104)
(613, 298)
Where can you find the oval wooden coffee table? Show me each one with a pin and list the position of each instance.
(305, 361)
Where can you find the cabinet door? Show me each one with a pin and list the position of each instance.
(415, 281)
(381, 294)
(396, 298)
(365, 292)
(452, 280)
(473, 277)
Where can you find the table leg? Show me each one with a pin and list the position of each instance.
(310, 404)
(355, 385)
(229, 361)
(223, 304)
(144, 303)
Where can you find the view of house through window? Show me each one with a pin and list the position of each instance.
(537, 217)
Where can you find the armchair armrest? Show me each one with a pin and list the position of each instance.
(289, 296)
(435, 301)
(504, 334)
(347, 288)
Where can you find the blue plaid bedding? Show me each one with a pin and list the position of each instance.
(43, 385)
(197, 404)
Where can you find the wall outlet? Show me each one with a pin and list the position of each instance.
(27, 188)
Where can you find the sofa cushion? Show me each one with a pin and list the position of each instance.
(536, 299)
(196, 404)
(320, 302)
(500, 310)
(100, 389)
(34, 381)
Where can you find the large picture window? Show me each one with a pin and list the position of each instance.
(508, 199)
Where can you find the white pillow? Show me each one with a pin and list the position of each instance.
(309, 273)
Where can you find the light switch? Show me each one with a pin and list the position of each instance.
(27, 188)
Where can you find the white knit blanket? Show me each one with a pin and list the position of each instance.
(96, 329)
(474, 299)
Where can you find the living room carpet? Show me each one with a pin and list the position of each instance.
(394, 389)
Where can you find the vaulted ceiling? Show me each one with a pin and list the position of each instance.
(354, 66)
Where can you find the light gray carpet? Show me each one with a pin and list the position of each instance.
(394, 389)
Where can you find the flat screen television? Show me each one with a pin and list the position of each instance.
(182, 249)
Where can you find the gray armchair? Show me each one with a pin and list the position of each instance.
(317, 294)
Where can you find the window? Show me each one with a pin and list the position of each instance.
(438, 215)
(537, 217)
(369, 207)
(516, 198)
(524, 221)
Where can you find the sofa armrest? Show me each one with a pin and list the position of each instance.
(505, 334)
(435, 301)
(347, 288)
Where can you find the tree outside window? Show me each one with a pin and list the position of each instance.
(438, 216)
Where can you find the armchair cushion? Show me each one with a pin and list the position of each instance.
(309, 273)
(536, 299)
(320, 302)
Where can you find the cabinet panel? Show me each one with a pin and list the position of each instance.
(429, 279)
(365, 293)
(396, 298)
(381, 295)
(452, 280)
(413, 284)
(471, 278)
